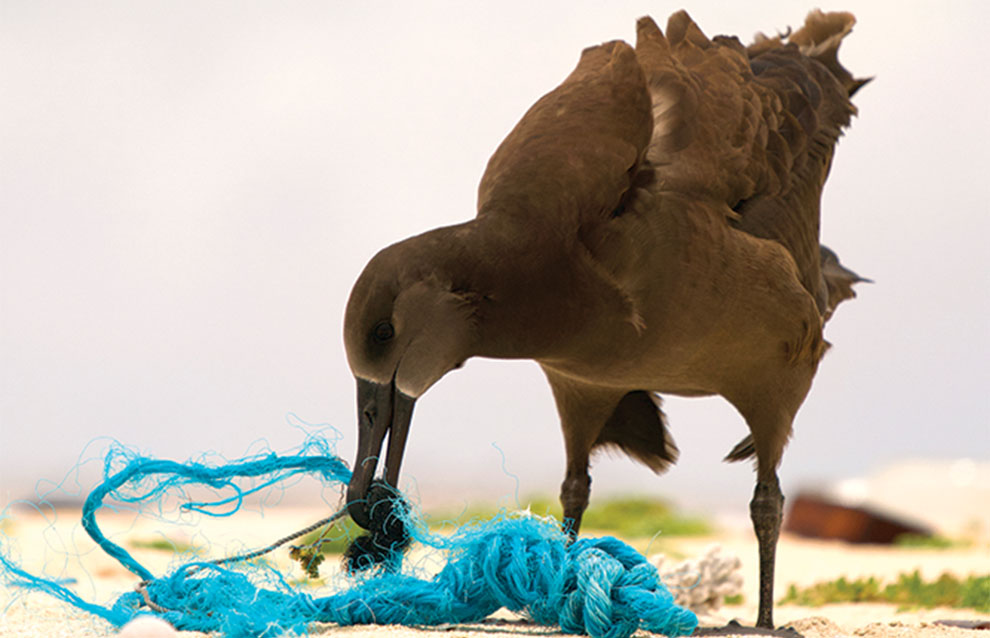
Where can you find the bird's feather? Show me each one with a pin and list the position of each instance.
(752, 130)
(572, 154)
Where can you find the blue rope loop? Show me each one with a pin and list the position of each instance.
(599, 587)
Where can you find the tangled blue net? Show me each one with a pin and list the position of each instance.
(595, 586)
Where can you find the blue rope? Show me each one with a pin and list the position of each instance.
(599, 587)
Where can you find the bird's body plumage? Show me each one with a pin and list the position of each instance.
(650, 226)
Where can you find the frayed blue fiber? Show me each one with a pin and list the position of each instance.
(595, 586)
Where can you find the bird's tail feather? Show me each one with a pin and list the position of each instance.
(638, 428)
(742, 451)
(819, 38)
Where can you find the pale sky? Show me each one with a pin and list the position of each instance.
(188, 191)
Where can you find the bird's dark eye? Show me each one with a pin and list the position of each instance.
(383, 331)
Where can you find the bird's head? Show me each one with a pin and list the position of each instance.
(406, 325)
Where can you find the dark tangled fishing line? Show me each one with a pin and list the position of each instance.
(599, 587)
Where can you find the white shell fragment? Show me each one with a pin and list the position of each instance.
(147, 627)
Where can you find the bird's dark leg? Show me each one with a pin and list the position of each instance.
(574, 493)
(583, 410)
(766, 511)
(769, 410)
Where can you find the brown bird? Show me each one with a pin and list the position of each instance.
(649, 226)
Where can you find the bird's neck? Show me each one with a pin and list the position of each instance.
(531, 299)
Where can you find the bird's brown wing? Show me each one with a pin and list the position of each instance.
(749, 130)
(572, 155)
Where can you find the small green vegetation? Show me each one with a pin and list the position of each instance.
(910, 591)
(735, 599)
(633, 517)
(309, 558)
(640, 517)
(926, 541)
(311, 550)
(628, 517)
(164, 544)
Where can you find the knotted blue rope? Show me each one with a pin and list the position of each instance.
(599, 587)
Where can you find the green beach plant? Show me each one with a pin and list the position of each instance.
(908, 591)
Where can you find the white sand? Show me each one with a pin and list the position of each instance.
(36, 540)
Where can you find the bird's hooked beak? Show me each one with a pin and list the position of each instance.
(382, 409)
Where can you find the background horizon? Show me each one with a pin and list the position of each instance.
(189, 190)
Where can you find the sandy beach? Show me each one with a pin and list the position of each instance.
(36, 540)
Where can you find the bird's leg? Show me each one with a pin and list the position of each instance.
(580, 433)
(584, 410)
(766, 511)
(769, 410)
(574, 492)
